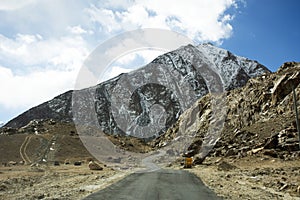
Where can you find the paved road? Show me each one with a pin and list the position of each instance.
(148, 161)
(160, 184)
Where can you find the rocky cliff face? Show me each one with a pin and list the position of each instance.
(259, 118)
(59, 108)
(152, 97)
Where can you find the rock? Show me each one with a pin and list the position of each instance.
(272, 142)
(72, 133)
(52, 122)
(12, 163)
(77, 163)
(284, 86)
(290, 147)
(228, 176)
(254, 151)
(231, 152)
(298, 190)
(56, 163)
(3, 187)
(94, 166)
(285, 186)
(117, 160)
(169, 165)
(287, 65)
(198, 160)
(41, 196)
(225, 166)
(170, 152)
(89, 159)
(270, 152)
(189, 153)
(7, 131)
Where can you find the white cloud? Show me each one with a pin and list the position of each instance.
(116, 70)
(203, 20)
(14, 4)
(116, 4)
(60, 59)
(150, 55)
(39, 68)
(146, 55)
(78, 30)
(125, 60)
(23, 91)
(104, 16)
(129, 62)
(32, 50)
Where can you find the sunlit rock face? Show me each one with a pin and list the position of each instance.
(146, 102)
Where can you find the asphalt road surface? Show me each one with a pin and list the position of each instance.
(160, 184)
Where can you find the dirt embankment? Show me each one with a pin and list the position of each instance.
(54, 182)
(251, 177)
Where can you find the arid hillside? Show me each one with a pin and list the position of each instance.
(256, 118)
(42, 141)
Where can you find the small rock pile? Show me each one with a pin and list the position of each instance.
(33, 127)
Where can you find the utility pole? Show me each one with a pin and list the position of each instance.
(296, 112)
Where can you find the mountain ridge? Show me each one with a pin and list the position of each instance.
(234, 71)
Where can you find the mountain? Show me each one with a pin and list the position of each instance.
(259, 119)
(164, 88)
(1, 123)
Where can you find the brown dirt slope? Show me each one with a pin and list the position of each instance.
(41, 140)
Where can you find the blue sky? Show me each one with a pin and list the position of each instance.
(267, 31)
(43, 43)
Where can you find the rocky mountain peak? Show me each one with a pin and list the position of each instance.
(156, 94)
(289, 66)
